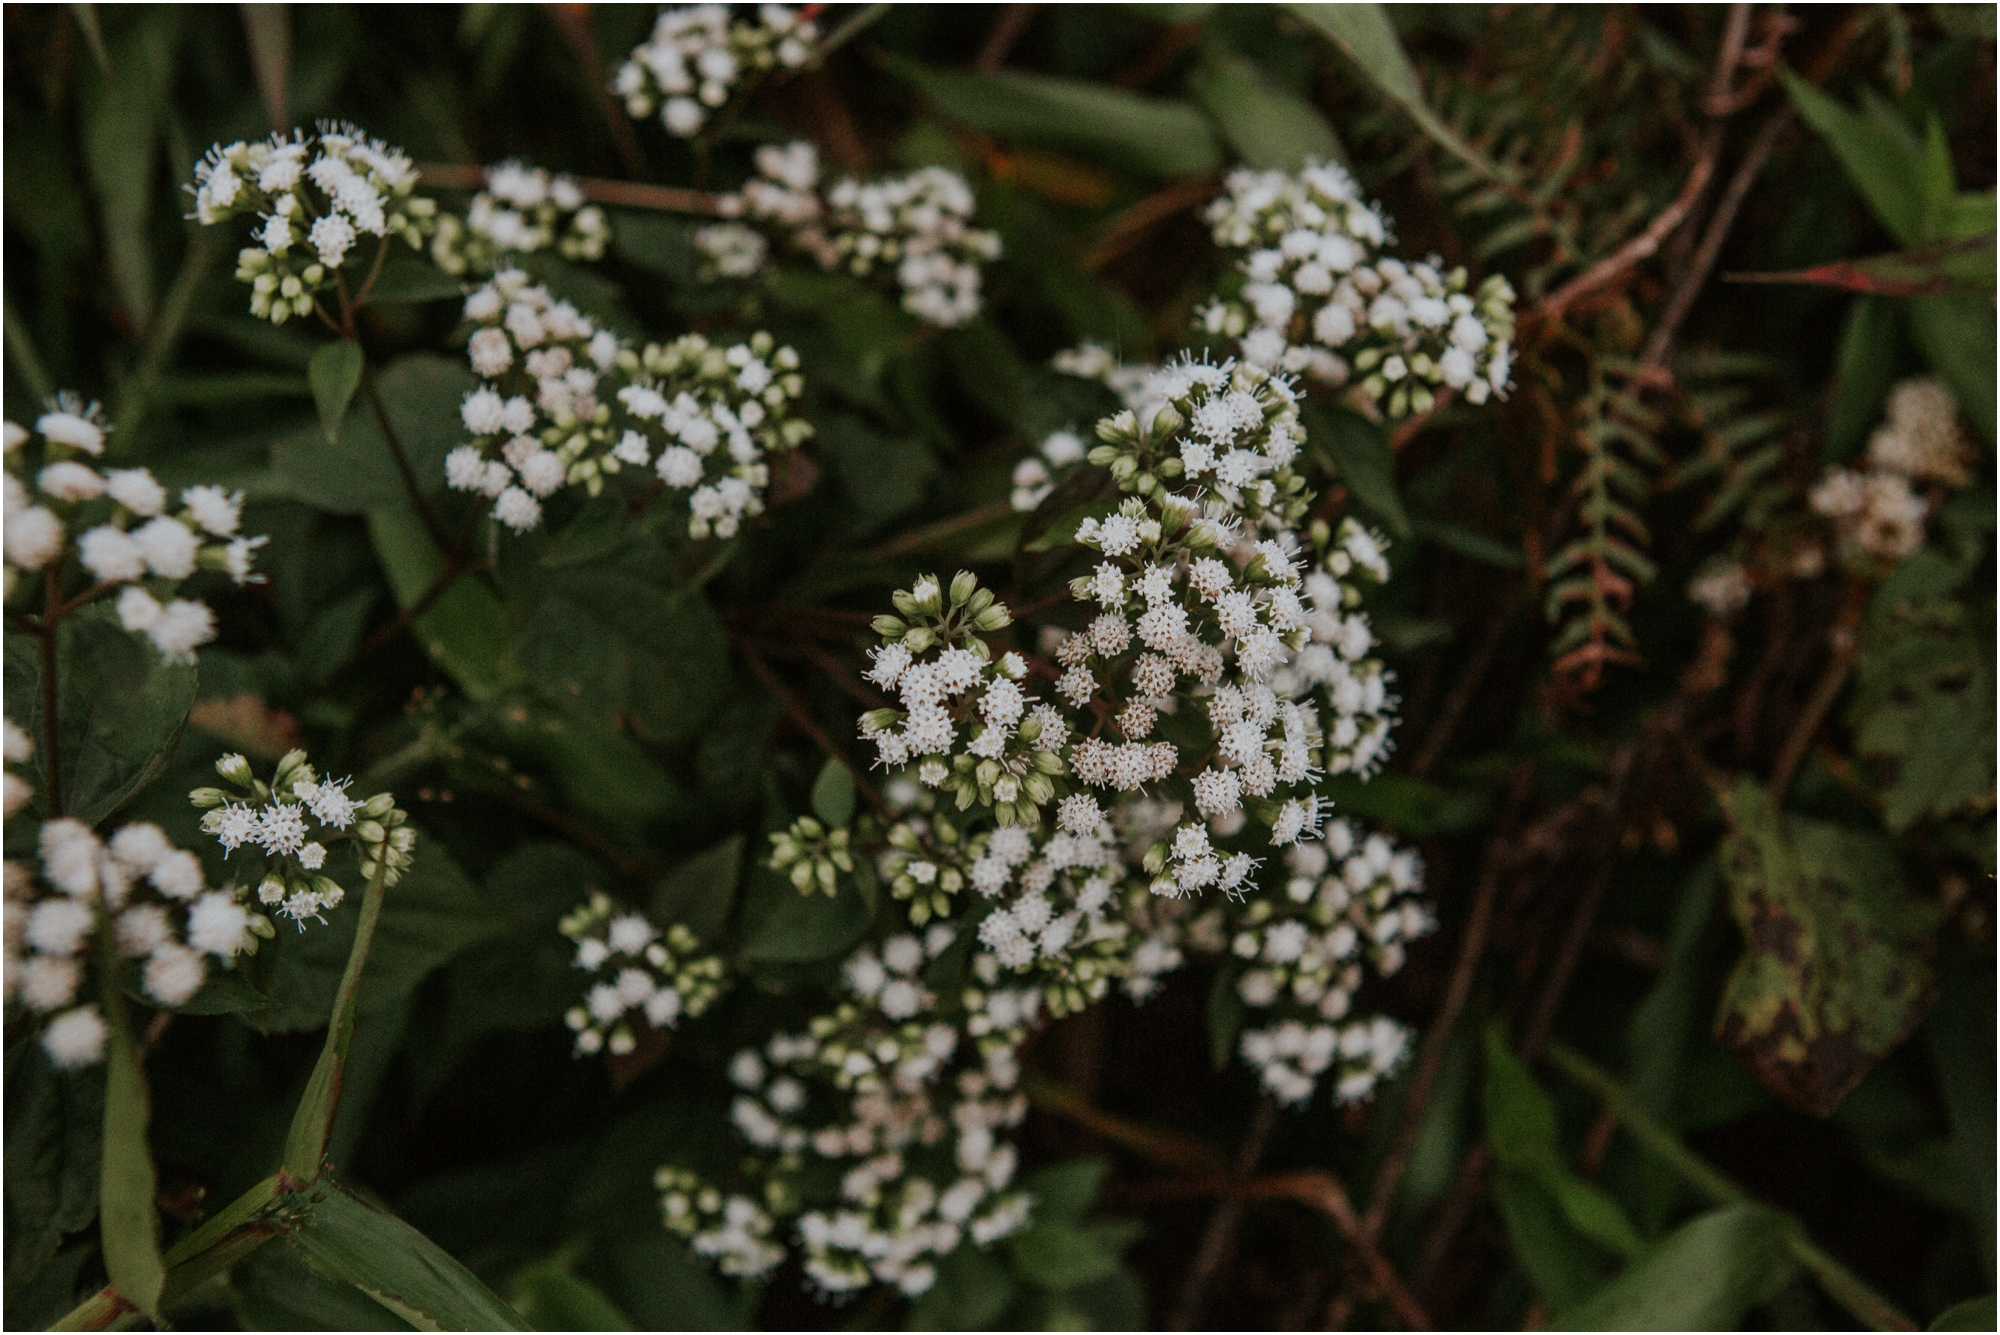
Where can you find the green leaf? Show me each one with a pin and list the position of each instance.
(1363, 459)
(1705, 1276)
(1067, 1190)
(405, 280)
(55, 1128)
(1957, 338)
(1520, 1118)
(973, 1289)
(651, 1275)
(1270, 128)
(1561, 1266)
(1881, 164)
(700, 892)
(549, 1297)
(1862, 371)
(465, 628)
(1159, 137)
(130, 1222)
(1958, 1035)
(356, 473)
(1061, 1254)
(1830, 981)
(334, 373)
(120, 710)
(1225, 1018)
(350, 1240)
(833, 794)
(1367, 37)
(121, 131)
(277, 1290)
(1972, 1314)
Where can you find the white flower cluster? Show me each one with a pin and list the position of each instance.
(932, 656)
(291, 820)
(916, 227)
(126, 531)
(522, 210)
(639, 971)
(1313, 294)
(1878, 514)
(314, 196)
(563, 402)
(1722, 589)
(910, 1112)
(696, 58)
(150, 896)
(1337, 664)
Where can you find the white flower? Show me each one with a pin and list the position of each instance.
(168, 546)
(331, 236)
(517, 510)
(136, 490)
(69, 481)
(111, 554)
(182, 627)
(73, 429)
(33, 537)
(138, 611)
(214, 509)
(174, 974)
(218, 924)
(75, 1038)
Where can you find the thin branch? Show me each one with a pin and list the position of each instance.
(1006, 34)
(408, 474)
(1846, 647)
(796, 712)
(1222, 1225)
(573, 23)
(1711, 242)
(1641, 247)
(1123, 232)
(919, 538)
(855, 24)
(1462, 691)
(626, 194)
(449, 576)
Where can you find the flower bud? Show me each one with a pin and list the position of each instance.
(993, 618)
(919, 639)
(377, 806)
(888, 627)
(234, 768)
(207, 798)
(963, 585)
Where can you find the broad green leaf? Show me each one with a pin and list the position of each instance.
(1862, 370)
(1705, 1276)
(1562, 1267)
(973, 1289)
(55, 1128)
(1666, 1022)
(1367, 37)
(354, 472)
(1152, 135)
(1363, 459)
(1520, 1118)
(1956, 336)
(1958, 1036)
(465, 628)
(277, 1290)
(833, 794)
(404, 280)
(1456, 538)
(334, 373)
(1061, 1254)
(1829, 982)
(350, 1240)
(651, 1275)
(121, 131)
(1881, 165)
(1067, 1190)
(1269, 127)
(1972, 1314)
(130, 1222)
(700, 892)
(120, 709)
(549, 1296)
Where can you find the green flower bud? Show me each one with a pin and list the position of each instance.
(963, 585)
(234, 768)
(207, 798)
(993, 618)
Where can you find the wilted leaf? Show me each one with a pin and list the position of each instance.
(1829, 982)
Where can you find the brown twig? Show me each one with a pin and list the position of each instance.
(1846, 646)
(1123, 231)
(1717, 232)
(453, 569)
(1462, 691)
(1000, 43)
(919, 538)
(796, 712)
(573, 23)
(1222, 1224)
(1641, 247)
(626, 194)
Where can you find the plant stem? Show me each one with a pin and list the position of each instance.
(409, 474)
(1840, 1283)
(51, 722)
(305, 1146)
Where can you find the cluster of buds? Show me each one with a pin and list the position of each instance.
(1313, 294)
(290, 821)
(522, 210)
(734, 1232)
(638, 971)
(314, 196)
(697, 57)
(916, 229)
(811, 855)
(128, 532)
(933, 657)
